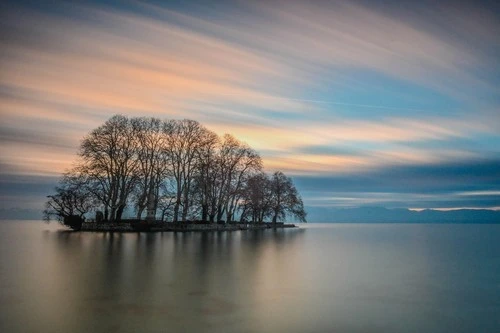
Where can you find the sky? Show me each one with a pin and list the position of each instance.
(364, 103)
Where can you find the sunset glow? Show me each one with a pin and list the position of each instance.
(362, 104)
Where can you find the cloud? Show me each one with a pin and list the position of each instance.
(314, 37)
(126, 63)
(469, 183)
(288, 78)
(442, 186)
(24, 192)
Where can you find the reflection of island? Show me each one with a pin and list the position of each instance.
(182, 281)
(174, 172)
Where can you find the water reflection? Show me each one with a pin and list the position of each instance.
(323, 279)
(198, 280)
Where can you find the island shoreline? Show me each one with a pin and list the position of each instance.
(177, 227)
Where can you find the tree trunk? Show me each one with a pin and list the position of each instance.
(204, 212)
(243, 212)
(184, 211)
(220, 213)
(176, 211)
(275, 217)
(151, 209)
(185, 206)
(140, 209)
(119, 212)
(112, 214)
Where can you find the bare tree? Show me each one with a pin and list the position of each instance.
(175, 166)
(185, 139)
(153, 163)
(206, 177)
(248, 164)
(285, 199)
(71, 198)
(109, 160)
(234, 164)
(256, 201)
(272, 197)
(166, 202)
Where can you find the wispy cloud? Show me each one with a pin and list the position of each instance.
(298, 81)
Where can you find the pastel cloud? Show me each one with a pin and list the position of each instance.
(271, 73)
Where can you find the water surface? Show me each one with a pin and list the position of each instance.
(319, 278)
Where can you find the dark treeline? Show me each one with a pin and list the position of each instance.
(171, 170)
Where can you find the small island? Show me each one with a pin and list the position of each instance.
(170, 175)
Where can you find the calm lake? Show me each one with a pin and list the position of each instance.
(319, 278)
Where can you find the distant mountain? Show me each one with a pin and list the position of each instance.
(337, 215)
(385, 215)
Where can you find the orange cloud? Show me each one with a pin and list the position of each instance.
(223, 73)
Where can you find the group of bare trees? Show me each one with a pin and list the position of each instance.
(173, 170)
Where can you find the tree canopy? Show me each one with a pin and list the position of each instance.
(175, 170)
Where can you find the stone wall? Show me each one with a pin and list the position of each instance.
(180, 226)
(105, 226)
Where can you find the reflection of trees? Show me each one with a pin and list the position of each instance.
(167, 274)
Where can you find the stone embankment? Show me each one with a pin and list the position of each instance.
(125, 226)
